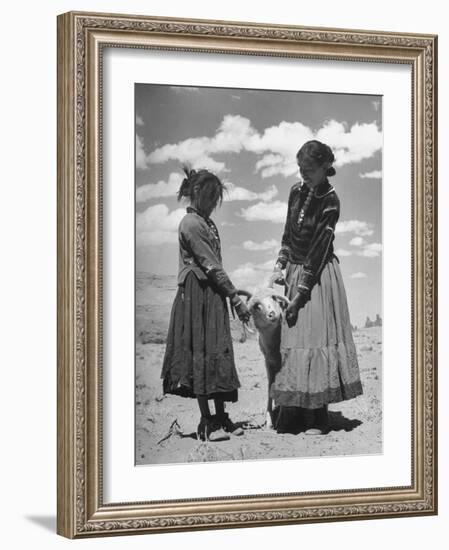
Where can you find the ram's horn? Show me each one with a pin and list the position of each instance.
(279, 298)
(244, 293)
(248, 328)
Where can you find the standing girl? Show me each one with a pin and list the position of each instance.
(319, 358)
(199, 357)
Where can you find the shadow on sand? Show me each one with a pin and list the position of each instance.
(291, 420)
(194, 435)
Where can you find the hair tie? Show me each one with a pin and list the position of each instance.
(189, 172)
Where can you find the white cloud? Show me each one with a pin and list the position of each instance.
(276, 146)
(192, 151)
(269, 194)
(279, 145)
(265, 245)
(235, 193)
(358, 227)
(157, 225)
(275, 212)
(268, 163)
(359, 143)
(170, 188)
(160, 189)
(229, 138)
(249, 275)
(357, 241)
(371, 250)
(342, 252)
(368, 250)
(358, 275)
(375, 174)
(141, 161)
(232, 134)
(139, 121)
(207, 163)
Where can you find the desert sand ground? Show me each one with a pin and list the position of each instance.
(166, 424)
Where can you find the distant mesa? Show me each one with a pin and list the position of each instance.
(376, 323)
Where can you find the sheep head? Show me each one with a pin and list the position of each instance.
(266, 307)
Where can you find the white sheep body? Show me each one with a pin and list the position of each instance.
(266, 307)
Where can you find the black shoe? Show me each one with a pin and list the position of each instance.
(229, 426)
(210, 430)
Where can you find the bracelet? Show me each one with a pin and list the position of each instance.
(303, 287)
(236, 304)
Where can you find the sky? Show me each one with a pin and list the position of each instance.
(249, 138)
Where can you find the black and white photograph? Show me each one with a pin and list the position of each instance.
(258, 274)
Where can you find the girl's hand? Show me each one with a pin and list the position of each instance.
(242, 312)
(240, 308)
(291, 314)
(277, 277)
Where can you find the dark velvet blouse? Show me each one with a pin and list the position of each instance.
(311, 243)
(200, 252)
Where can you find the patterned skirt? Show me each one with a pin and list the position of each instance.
(199, 357)
(319, 357)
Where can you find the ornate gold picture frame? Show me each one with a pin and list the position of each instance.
(82, 509)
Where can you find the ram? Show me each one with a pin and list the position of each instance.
(267, 307)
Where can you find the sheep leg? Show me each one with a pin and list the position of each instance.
(269, 415)
(269, 410)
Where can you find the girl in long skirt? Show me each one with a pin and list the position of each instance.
(199, 357)
(319, 358)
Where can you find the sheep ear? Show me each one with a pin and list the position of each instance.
(250, 327)
(283, 301)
